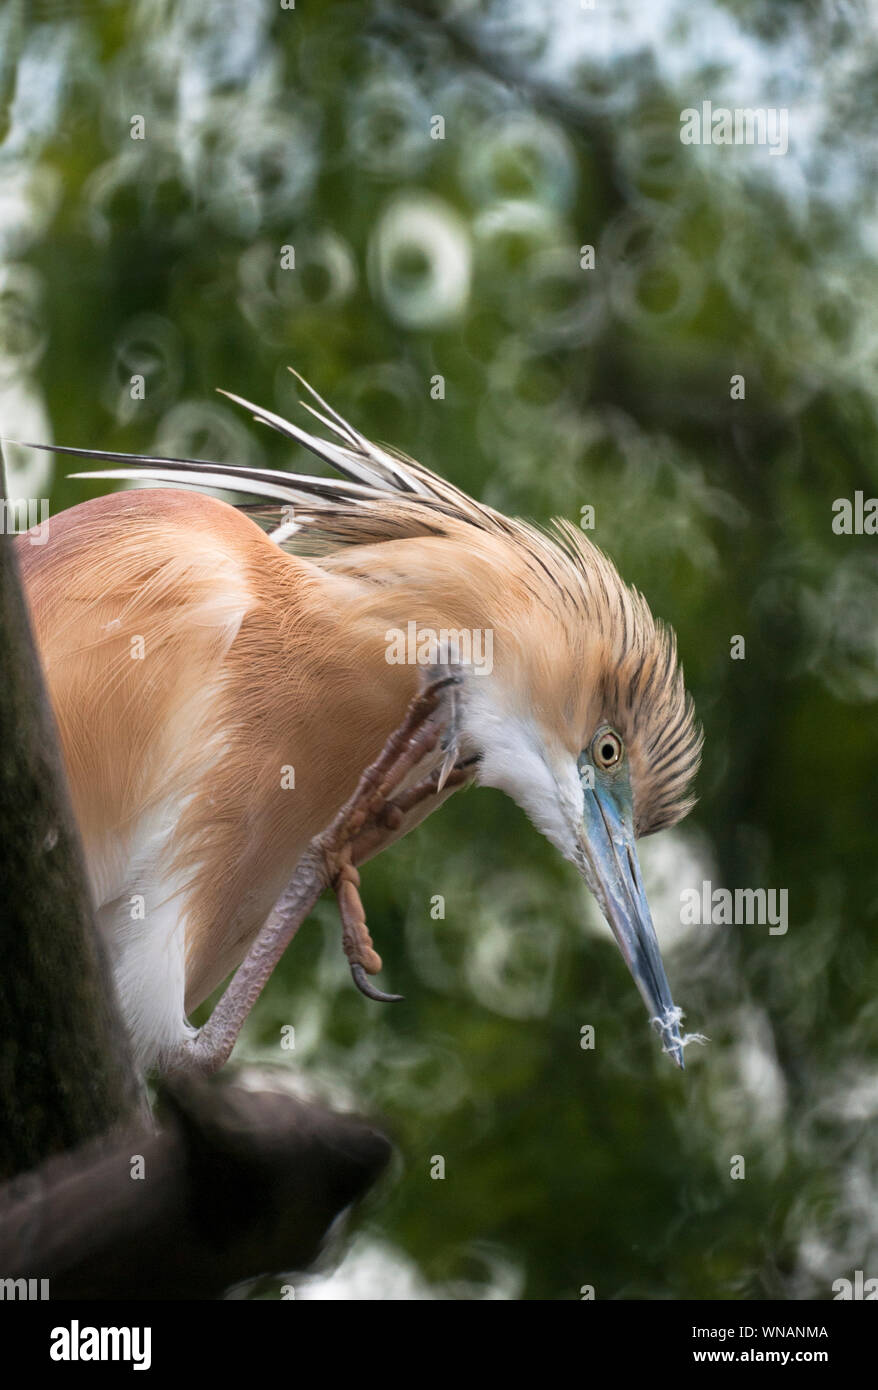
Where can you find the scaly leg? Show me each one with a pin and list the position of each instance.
(385, 818)
(367, 820)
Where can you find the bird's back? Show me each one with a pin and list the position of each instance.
(186, 658)
(135, 600)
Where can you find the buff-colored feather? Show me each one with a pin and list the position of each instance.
(265, 648)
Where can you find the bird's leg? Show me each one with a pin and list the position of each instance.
(379, 827)
(374, 836)
(364, 823)
(212, 1044)
(372, 818)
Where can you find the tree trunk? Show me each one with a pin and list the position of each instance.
(65, 1068)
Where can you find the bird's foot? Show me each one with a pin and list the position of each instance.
(373, 815)
(194, 1055)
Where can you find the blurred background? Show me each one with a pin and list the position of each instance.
(153, 249)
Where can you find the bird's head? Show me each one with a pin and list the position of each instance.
(585, 722)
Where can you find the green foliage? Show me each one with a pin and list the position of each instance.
(266, 127)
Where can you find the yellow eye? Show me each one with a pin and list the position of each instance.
(607, 748)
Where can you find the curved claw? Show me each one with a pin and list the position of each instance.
(361, 980)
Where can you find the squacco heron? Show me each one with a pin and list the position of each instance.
(239, 733)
